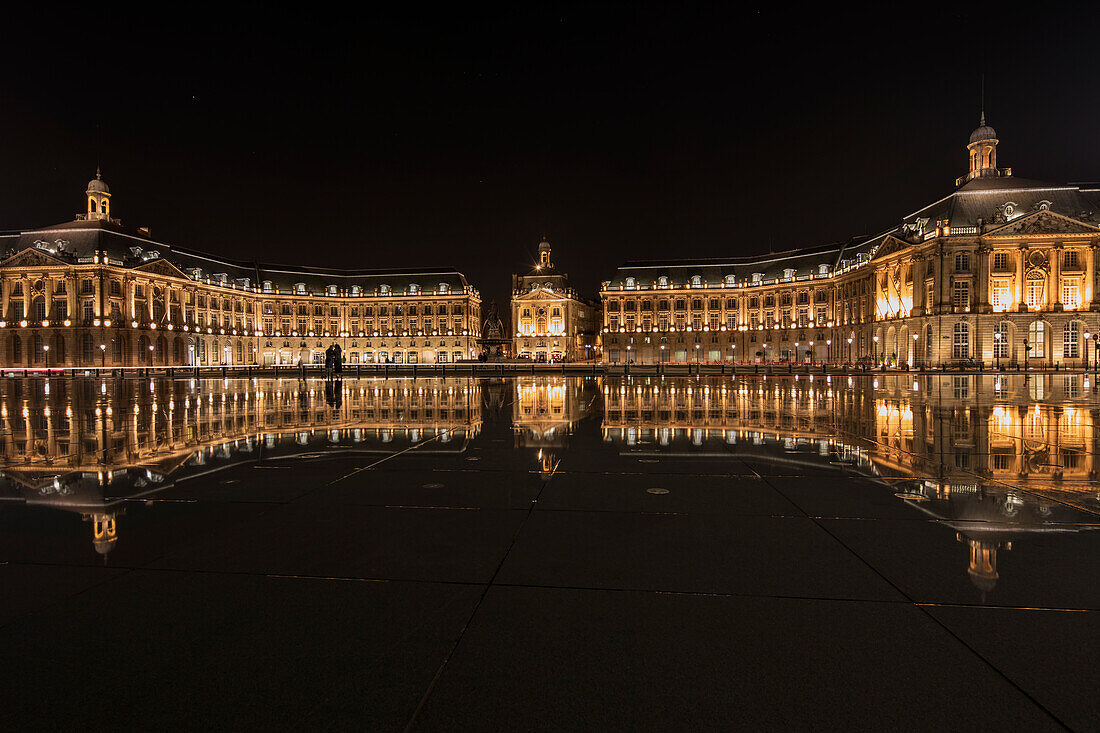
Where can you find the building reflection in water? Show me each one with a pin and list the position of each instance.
(995, 458)
(91, 446)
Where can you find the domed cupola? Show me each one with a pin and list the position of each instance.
(99, 198)
(544, 255)
(983, 151)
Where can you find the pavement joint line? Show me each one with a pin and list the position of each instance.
(924, 610)
(127, 569)
(481, 599)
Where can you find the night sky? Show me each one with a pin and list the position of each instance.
(387, 140)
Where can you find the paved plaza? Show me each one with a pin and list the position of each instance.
(550, 553)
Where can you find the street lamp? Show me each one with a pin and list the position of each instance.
(46, 351)
(150, 355)
(849, 350)
(875, 355)
(1026, 350)
(811, 353)
(102, 355)
(997, 336)
(1096, 349)
(191, 349)
(828, 349)
(913, 361)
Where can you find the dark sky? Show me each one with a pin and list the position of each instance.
(386, 139)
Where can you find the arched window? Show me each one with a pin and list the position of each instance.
(38, 309)
(929, 344)
(162, 348)
(1000, 340)
(1037, 339)
(142, 350)
(987, 157)
(37, 352)
(630, 283)
(88, 349)
(1071, 340)
(961, 343)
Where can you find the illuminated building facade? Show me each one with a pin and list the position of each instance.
(1001, 270)
(550, 319)
(91, 292)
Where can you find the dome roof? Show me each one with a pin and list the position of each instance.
(985, 132)
(97, 184)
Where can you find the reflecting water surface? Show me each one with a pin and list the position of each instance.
(994, 464)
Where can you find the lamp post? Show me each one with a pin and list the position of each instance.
(696, 353)
(849, 351)
(150, 355)
(828, 348)
(46, 351)
(997, 347)
(1096, 349)
(191, 351)
(811, 353)
(913, 361)
(875, 355)
(102, 356)
(1026, 350)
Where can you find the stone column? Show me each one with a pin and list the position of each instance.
(1056, 277)
(919, 287)
(982, 279)
(1021, 304)
(1090, 302)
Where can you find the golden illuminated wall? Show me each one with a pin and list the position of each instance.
(104, 314)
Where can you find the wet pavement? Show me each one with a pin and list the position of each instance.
(551, 552)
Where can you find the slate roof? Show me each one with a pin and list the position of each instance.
(980, 205)
(78, 241)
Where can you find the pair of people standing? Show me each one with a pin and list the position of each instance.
(334, 362)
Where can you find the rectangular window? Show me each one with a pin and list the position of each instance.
(1000, 260)
(1071, 294)
(1069, 259)
(960, 297)
(999, 295)
(1071, 336)
(930, 297)
(1034, 294)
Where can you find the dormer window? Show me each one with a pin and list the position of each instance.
(788, 273)
(413, 288)
(731, 280)
(135, 251)
(757, 277)
(150, 255)
(384, 289)
(443, 288)
(356, 291)
(268, 287)
(696, 281)
(822, 269)
(631, 283)
(330, 290)
(662, 282)
(299, 288)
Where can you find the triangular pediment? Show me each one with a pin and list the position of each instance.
(162, 267)
(539, 294)
(889, 246)
(32, 257)
(1043, 222)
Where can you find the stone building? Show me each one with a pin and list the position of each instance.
(92, 292)
(1000, 270)
(551, 320)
